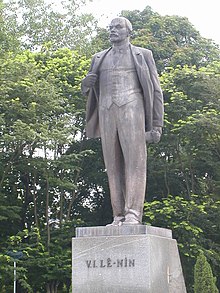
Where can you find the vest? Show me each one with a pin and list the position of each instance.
(118, 80)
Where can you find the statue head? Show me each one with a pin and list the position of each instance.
(120, 29)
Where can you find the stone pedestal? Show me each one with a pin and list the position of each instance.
(126, 259)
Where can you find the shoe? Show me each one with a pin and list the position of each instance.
(118, 221)
(131, 221)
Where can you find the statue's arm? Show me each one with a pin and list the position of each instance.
(158, 107)
(89, 81)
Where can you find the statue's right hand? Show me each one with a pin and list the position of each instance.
(90, 80)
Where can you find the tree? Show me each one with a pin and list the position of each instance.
(190, 145)
(204, 280)
(41, 116)
(195, 226)
(42, 23)
(172, 39)
(9, 39)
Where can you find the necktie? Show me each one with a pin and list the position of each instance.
(116, 56)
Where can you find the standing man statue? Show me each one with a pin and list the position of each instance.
(125, 109)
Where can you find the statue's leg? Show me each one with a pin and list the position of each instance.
(132, 139)
(114, 161)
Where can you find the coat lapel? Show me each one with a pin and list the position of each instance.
(98, 60)
(92, 116)
(137, 55)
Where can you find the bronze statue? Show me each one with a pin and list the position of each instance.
(125, 109)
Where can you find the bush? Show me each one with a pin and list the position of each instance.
(204, 281)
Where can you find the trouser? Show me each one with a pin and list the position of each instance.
(124, 150)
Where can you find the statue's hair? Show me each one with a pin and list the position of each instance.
(128, 24)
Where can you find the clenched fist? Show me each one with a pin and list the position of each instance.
(154, 135)
(90, 80)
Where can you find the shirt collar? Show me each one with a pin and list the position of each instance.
(121, 49)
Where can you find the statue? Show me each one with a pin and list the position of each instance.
(125, 109)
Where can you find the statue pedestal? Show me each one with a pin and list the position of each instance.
(126, 259)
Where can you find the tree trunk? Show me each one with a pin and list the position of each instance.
(166, 180)
(61, 201)
(35, 201)
(183, 171)
(74, 197)
(192, 178)
(47, 212)
(52, 286)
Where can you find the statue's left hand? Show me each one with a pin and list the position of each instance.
(154, 135)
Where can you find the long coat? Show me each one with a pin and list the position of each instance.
(152, 94)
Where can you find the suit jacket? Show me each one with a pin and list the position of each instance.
(148, 77)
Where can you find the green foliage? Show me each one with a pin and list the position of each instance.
(204, 280)
(9, 217)
(9, 39)
(187, 159)
(195, 226)
(53, 267)
(173, 39)
(42, 114)
(42, 23)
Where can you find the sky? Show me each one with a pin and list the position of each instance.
(203, 14)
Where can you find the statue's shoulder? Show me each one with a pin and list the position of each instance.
(97, 60)
(141, 50)
(101, 53)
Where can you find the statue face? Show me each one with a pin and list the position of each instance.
(118, 30)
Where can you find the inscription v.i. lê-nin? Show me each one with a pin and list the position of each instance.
(109, 263)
